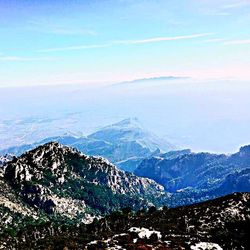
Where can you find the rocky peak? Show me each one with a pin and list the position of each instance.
(129, 122)
(245, 151)
(36, 164)
(53, 177)
(128, 129)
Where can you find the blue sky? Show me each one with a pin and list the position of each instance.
(58, 42)
(103, 42)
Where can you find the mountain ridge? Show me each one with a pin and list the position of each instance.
(200, 174)
(150, 79)
(117, 142)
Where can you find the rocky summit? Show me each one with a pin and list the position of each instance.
(58, 183)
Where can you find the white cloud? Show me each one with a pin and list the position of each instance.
(24, 59)
(238, 42)
(48, 27)
(161, 39)
(217, 13)
(127, 42)
(222, 8)
(237, 4)
(70, 31)
(214, 40)
(78, 47)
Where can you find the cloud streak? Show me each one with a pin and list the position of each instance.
(238, 42)
(44, 26)
(127, 42)
(162, 39)
(237, 4)
(25, 59)
(78, 47)
(215, 8)
(214, 40)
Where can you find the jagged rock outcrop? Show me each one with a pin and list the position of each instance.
(5, 158)
(62, 162)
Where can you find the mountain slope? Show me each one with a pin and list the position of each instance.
(61, 180)
(189, 170)
(194, 170)
(131, 130)
(55, 185)
(129, 141)
(237, 181)
(217, 224)
(195, 177)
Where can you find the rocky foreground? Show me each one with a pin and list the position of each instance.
(218, 224)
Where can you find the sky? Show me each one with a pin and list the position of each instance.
(61, 63)
(91, 42)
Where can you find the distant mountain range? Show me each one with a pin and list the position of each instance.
(190, 177)
(203, 174)
(152, 79)
(124, 143)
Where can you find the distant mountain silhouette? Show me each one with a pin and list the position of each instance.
(124, 143)
(152, 79)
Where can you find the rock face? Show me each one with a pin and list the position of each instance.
(210, 174)
(5, 158)
(217, 224)
(58, 184)
(239, 180)
(124, 143)
(54, 177)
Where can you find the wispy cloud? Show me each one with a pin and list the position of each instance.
(214, 40)
(25, 59)
(44, 26)
(78, 47)
(238, 42)
(127, 42)
(71, 31)
(215, 8)
(237, 4)
(162, 39)
(217, 13)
